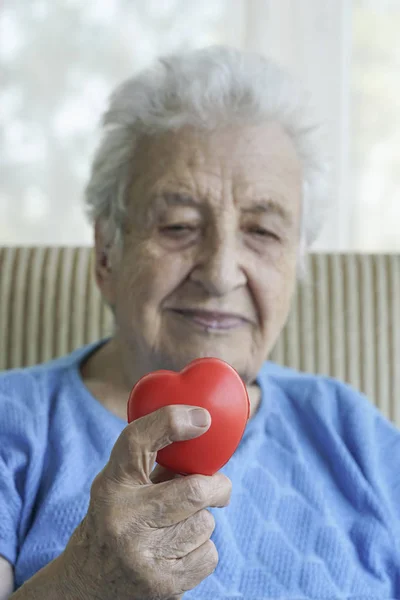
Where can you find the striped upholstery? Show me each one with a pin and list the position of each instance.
(345, 320)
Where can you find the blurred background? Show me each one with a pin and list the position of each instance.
(60, 59)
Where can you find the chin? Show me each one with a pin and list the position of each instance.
(176, 360)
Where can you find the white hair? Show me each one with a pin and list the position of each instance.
(206, 88)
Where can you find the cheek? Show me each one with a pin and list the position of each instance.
(148, 277)
(273, 286)
(282, 293)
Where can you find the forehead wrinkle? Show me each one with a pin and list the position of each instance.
(175, 199)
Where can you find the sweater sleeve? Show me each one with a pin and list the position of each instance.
(18, 445)
(374, 442)
(387, 440)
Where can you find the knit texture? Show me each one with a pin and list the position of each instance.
(315, 506)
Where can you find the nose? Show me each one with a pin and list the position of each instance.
(218, 269)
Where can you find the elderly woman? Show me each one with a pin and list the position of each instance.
(205, 192)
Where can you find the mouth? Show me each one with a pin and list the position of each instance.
(212, 320)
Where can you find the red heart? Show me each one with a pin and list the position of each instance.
(207, 382)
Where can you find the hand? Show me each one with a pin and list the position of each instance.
(147, 535)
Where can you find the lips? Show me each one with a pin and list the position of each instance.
(212, 320)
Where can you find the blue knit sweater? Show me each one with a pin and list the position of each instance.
(315, 507)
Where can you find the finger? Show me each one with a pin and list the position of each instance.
(184, 537)
(173, 501)
(161, 474)
(196, 566)
(134, 453)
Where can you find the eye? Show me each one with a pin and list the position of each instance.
(178, 229)
(263, 233)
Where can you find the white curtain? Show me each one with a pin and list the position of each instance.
(60, 59)
(347, 54)
(312, 39)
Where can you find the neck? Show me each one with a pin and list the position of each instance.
(109, 379)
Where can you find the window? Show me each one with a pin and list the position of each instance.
(55, 86)
(375, 118)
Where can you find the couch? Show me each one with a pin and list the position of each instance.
(345, 320)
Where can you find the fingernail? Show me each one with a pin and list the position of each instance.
(199, 417)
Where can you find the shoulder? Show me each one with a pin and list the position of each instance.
(24, 386)
(323, 397)
(20, 400)
(331, 419)
(27, 394)
(337, 417)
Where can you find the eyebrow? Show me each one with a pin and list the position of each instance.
(269, 207)
(260, 207)
(175, 199)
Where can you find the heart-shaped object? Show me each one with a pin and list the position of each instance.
(206, 382)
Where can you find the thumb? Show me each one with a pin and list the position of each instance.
(133, 455)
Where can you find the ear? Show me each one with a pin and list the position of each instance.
(104, 268)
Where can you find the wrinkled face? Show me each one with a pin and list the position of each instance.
(208, 266)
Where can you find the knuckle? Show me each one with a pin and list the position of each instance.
(164, 422)
(126, 444)
(196, 493)
(96, 485)
(224, 485)
(211, 557)
(101, 490)
(161, 581)
(157, 509)
(228, 486)
(225, 482)
(166, 586)
(207, 521)
(114, 529)
(133, 435)
(171, 417)
(137, 432)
